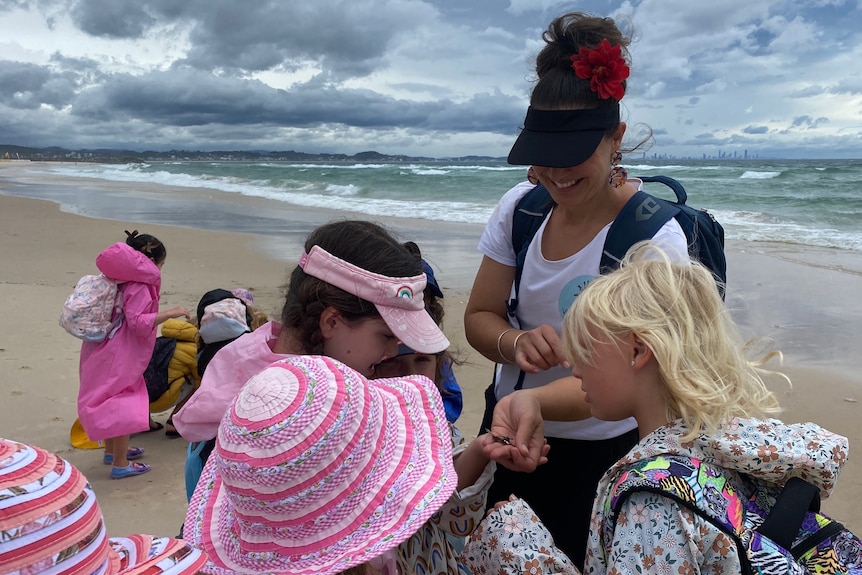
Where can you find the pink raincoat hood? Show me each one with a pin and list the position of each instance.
(123, 263)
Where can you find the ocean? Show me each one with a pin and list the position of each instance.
(806, 202)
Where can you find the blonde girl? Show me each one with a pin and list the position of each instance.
(654, 341)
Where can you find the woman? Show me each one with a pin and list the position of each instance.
(572, 138)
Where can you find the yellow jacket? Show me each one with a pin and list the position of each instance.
(183, 363)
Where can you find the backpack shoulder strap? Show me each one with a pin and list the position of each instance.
(691, 483)
(784, 521)
(640, 219)
(530, 212)
(678, 190)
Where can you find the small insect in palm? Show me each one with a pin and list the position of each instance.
(500, 438)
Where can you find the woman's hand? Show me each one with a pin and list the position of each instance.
(539, 349)
(516, 439)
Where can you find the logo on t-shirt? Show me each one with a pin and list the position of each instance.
(571, 290)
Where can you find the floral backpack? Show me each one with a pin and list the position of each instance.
(94, 311)
(778, 530)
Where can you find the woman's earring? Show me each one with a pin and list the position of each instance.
(618, 174)
(633, 363)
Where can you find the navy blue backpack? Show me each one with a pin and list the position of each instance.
(640, 219)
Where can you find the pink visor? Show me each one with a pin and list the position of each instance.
(400, 301)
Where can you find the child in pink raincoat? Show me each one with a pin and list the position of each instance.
(112, 399)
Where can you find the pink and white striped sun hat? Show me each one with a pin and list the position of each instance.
(51, 524)
(317, 469)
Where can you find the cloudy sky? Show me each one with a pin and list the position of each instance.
(418, 77)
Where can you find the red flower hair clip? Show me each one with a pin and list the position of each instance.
(605, 67)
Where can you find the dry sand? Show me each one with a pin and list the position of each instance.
(804, 298)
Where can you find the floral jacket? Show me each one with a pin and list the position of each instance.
(433, 550)
(654, 534)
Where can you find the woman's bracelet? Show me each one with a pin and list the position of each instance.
(515, 346)
(500, 339)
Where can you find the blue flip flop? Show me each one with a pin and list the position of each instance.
(134, 468)
(132, 454)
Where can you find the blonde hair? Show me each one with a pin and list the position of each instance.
(676, 310)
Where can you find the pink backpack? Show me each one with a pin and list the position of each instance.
(94, 311)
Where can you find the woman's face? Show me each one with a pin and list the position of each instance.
(361, 344)
(575, 185)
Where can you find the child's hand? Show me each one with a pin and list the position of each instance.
(501, 504)
(172, 313)
(516, 439)
(180, 311)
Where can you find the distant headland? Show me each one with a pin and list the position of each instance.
(104, 156)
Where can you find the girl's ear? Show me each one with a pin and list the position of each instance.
(640, 352)
(329, 319)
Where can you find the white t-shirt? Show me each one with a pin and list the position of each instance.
(547, 290)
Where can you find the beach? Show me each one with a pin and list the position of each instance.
(804, 298)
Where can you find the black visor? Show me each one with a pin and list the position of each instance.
(562, 138)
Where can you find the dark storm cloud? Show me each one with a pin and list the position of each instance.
(189, 97)
(17, 78)
(84, 66)
(408, 74)
(346, 38)
(28, 86)
(112, 18)
(206, 93)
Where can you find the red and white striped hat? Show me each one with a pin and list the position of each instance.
(51, 524)
(317, 469)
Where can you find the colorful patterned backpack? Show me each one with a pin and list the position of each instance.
(778, 530)
(94, 311)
